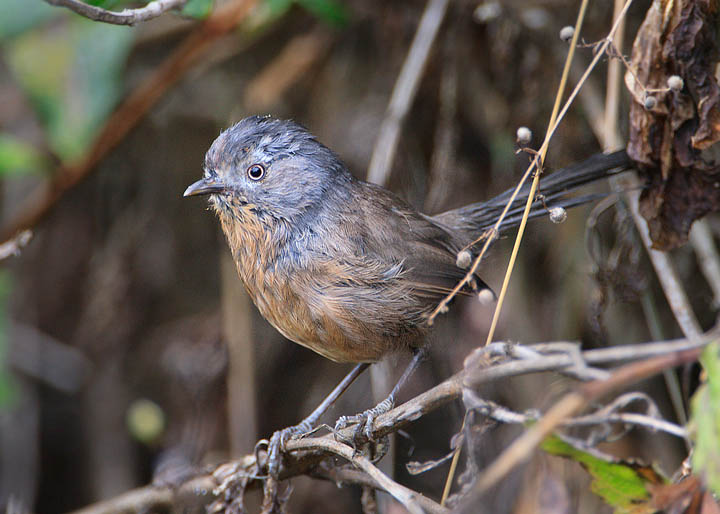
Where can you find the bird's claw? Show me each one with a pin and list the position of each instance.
(365, 423)
(276, 445)
(262, 443)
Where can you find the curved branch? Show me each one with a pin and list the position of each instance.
(124, 17)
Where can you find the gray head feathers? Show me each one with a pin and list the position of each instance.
(275, 165)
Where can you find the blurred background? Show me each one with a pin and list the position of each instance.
(128, 349)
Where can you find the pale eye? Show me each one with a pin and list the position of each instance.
(256, 172)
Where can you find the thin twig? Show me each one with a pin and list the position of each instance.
(124, 17)
(630, 418)
(601, 417)
(451, 475)
(610, 137)
(539, 159)
(404, 91)
(664, 269)
(565, 363)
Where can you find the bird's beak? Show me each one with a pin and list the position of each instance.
(205, 186)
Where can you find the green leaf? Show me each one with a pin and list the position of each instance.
(705, 420)
(622, 485)
(72, 73)
(8, 389)
(7, 386)
(18, 157)
(277, 7)
(197, 8)
(330, 11)
(112, 4)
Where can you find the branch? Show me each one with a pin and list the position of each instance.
(605, 416)
(667, 276)
(124, 17)
(307, 456)
(571, 404)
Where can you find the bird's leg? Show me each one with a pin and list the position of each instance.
(277, 441)
(365, 420)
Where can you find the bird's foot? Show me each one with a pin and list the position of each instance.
(276, 445)
(364, 421)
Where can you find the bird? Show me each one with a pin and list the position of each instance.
(341, 266)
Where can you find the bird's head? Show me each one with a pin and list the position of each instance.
(270, 167)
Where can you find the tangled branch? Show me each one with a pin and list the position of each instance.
(309, 456)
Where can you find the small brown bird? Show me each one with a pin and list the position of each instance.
(341, 266)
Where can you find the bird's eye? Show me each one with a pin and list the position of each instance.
(256, 172)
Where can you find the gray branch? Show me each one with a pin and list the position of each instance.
(124, 17)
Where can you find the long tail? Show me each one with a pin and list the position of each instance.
(476, 217)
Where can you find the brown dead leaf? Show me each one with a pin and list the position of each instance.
(686, 497)
(671, 141)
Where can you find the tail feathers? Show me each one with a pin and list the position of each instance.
(554, 187)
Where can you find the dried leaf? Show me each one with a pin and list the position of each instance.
(671, 140)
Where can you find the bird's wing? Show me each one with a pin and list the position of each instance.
(426, 249)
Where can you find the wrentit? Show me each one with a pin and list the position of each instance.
(341, 266)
